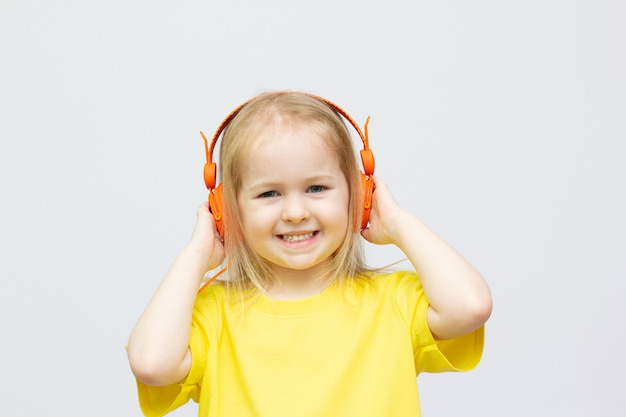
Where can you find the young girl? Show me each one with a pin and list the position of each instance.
(299, 326)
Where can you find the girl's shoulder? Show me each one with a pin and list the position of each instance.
(394, 280)
(210, 297)
(397, 297)
(399, 287)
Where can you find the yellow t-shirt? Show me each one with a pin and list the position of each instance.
(353, 350)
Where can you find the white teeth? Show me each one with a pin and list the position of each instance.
(297, 238)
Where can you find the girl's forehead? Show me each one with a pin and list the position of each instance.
(288, 145)
(289, 132)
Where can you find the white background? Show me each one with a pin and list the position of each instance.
(501, 124)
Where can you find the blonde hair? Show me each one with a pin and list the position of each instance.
(247, 271)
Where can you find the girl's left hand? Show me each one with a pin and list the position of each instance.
(385, 216)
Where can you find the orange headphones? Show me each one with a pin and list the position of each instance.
(210, 168)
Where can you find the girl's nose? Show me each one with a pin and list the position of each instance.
(294, 210)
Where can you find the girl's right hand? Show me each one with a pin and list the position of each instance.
(386, 217)
(205, 238)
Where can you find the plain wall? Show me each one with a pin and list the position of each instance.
(501, 124)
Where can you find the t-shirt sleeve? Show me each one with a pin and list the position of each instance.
(458, 354)
(158, 401)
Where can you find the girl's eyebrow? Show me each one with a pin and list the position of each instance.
(262, 184)
(321, 177)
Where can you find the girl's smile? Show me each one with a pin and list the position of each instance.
(298, 239)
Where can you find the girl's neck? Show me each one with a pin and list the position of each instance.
(294, 284)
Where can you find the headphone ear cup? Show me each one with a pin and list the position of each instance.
(367, 184)
(216, 205)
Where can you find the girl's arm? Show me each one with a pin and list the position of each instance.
(460, 300)
(158, 350)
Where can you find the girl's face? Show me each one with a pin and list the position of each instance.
(293, 200)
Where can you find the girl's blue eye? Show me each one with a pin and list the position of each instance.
(316, 188)
(268, 194)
